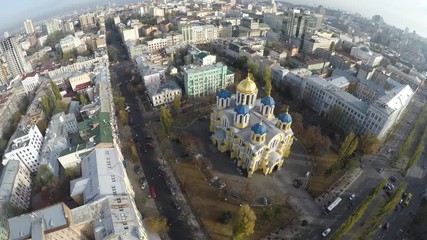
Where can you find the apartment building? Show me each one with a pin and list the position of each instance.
(50, 223)
(205, 80)
(164, 93)
(199, 33)
(368, 57)
(15, 185)
(57, 139)
(24, 146)
(30, 82)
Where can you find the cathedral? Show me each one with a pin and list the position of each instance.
(247, 128)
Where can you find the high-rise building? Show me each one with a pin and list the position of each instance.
(52, 26)
(87, 20)
(199, 33)
(15, 184)
(294, 24)
(14, 57)
(68, 26)
(28, 25)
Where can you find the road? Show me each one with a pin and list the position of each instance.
(179, 227)
(369, 178)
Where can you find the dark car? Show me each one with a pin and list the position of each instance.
(162, 173)
(386, 226)
(137, 169)
(142, 180)
(176, 205)
(393, 179)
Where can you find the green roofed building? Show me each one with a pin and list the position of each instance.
(97, 130)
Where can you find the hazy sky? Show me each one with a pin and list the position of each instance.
(14, 12)
(400, 13)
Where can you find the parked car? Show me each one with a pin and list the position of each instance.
(153, 193)
(176, 205)
(172, 191)
(386, 226)
(137, 169)
(352, 197)
(297, 183)
(326, 232)
(162, 173)
(142, 180)
(143, 185)
(393, 179)
(265, 201)
(380, 170)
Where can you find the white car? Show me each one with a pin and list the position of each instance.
(326, 232)
(352, 196)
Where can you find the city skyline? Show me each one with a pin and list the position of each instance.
(392, 14)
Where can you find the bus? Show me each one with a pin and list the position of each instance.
(333, 205)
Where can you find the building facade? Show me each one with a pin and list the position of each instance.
(367, 56)
(87, 20)
(30, 82)
(69, 43)
(52, 26)
(14, 57)
(208, 79)
(164, 93)
(247, 128)
(25, 146)
(28, 25)
(199, 33)
(15, 185)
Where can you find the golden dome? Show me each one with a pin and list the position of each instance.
(247, 86)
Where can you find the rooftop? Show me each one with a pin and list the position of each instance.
(102, 175)
(7, 180)
(97, 129)
(47, 219)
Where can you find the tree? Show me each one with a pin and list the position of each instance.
(44, 59)
(352, 87)
(190, 144)
(297, 123)
(44, 176)
(134, 153)
(157, 224)
(368, 143)
(266, 78)
(42, 125)
(165, 119)
(334, 114)
(82, 98)
(332, 47)
(46, 105)
(314, 141)
(71, 173)
(176, 103)
(348, 146)
(252, 66)
(245, 223)
(123, 116)
(241, 63)
(113, 53)
(55, 90)
(119, 102)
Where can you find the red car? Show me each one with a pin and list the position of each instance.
(153, 192)
(150, 145)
